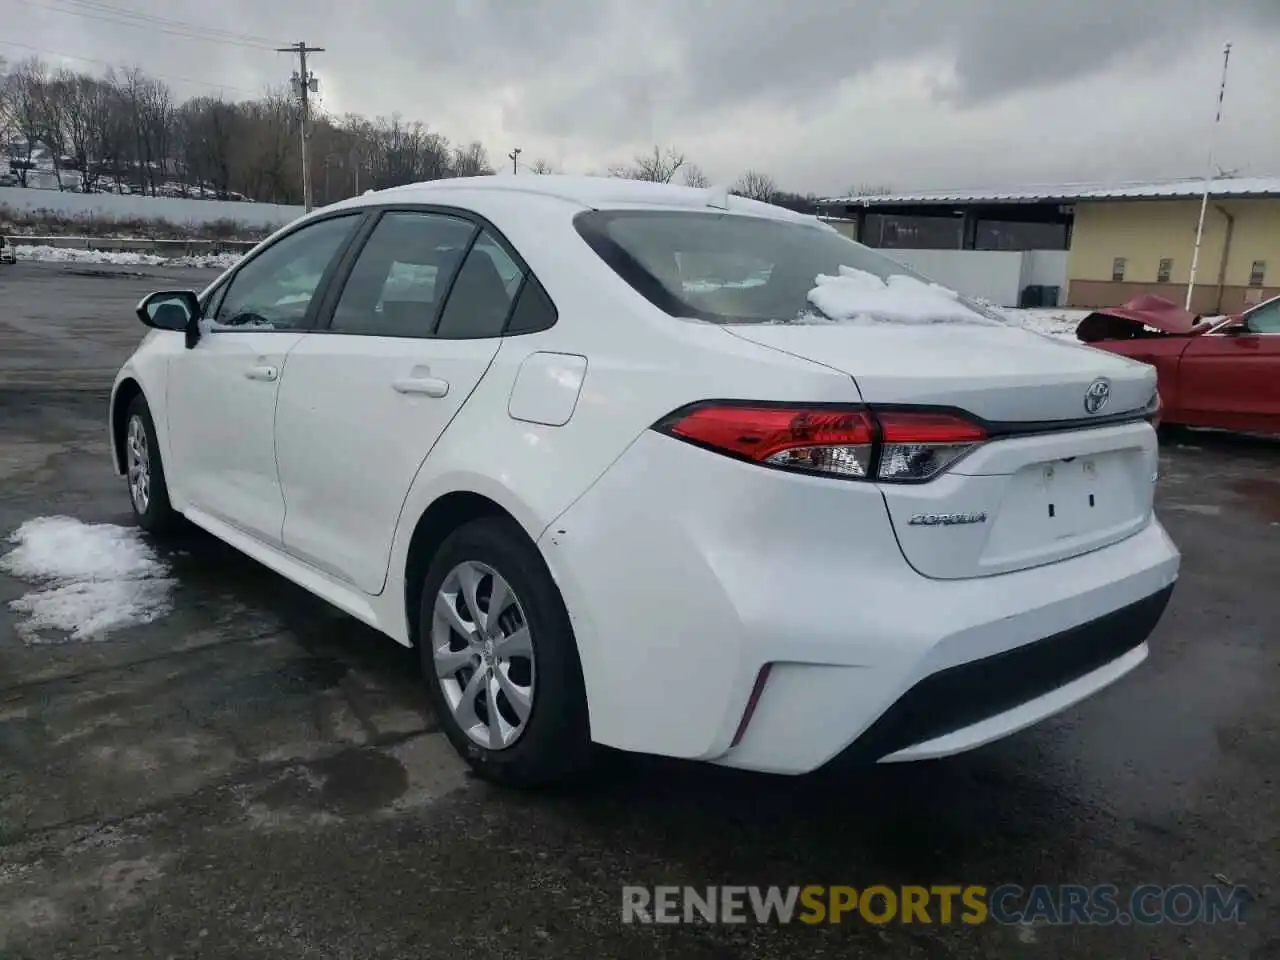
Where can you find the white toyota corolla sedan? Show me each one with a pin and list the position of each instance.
(660, 469)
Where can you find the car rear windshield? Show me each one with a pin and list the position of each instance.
(731, 268)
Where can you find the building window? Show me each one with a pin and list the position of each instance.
(1258, 274)
(1164, 270)
(1117, 269)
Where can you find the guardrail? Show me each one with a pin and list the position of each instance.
(167, 248)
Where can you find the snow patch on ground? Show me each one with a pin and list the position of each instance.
(126, 258)
(1054, 321)
(855, 296)
(95, 578)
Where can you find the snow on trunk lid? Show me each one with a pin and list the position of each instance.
(906, 341)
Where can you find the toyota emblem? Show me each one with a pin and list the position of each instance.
(1096, 397)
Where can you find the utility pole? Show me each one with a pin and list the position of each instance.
(304, 84)
(515, 160)
(1208, 180)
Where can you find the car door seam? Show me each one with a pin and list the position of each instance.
(275, 440)
(413, 482)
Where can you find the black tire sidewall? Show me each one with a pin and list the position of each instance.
(556, 739)
(159, 515)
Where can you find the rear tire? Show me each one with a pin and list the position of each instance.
(507, 689)
(144, 472)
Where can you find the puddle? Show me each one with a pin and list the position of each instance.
(1261, 495)
(108, 274)
(352, 783)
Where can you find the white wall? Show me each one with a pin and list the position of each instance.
(173, 209)
(991, 275)
(998, 276)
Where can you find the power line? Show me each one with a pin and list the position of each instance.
(93, 10)
(180, 24)
(108, 63)
(174, 28)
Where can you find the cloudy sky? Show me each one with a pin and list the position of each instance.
(821, 94)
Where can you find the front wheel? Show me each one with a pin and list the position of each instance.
(500, 658)
(148, 492)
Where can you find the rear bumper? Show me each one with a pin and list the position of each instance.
(686, 573)
(972, 703)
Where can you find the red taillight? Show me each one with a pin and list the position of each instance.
(850, 442)
(823, 440)
(916, 426)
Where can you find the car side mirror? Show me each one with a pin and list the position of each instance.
(176, 310)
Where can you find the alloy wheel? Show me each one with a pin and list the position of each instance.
(483, 654)
(139, 465)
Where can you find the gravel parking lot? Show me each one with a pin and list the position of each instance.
(257, 775)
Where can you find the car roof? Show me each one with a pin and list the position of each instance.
(589, 192)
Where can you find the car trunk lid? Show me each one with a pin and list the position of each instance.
(998, 372)
(1068, 466)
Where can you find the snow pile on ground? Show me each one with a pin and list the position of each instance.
(125, 258)
(855, 296)
(95, 578)
(1055, 321)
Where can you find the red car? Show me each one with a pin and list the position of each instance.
(1219, 372)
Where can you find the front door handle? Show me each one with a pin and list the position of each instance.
(426, 386)
(262, 372)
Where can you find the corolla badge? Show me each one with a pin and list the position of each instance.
(1096, 397)
(945, 519)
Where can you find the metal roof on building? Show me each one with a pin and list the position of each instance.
(1225, 187)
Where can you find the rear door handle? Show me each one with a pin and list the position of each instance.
(262, 372)
(426, 386)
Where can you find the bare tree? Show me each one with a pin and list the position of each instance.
(266, 154)
(126, 131)
(756, 185)
(401, 152)
(116, 135)
(8, 127)
(203, 131)
(471, 161)
(542, 167)
(695, 177)
(53, 102)
(25, 95)
(157, 119)
(660, 166)
(131, 86)
(869, 190)
(86, 115)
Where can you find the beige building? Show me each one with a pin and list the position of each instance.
(1123, 248)
(1083, 246)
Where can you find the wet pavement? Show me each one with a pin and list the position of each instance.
(257, 775)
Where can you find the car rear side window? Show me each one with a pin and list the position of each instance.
(481, 297)
(533, 311)
(401, 275)
(729, 268)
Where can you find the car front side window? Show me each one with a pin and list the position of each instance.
(274, 290)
